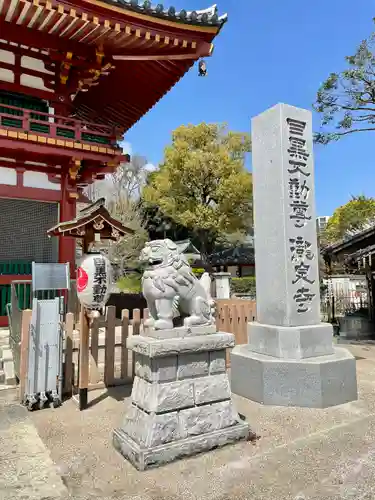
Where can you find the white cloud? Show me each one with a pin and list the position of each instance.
(127, 147)
(150, 167)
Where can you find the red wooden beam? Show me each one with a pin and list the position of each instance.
(47, 169)
(3, 321)
(203, 50)
(12, 146)
(29, 193)
(22, 89)
(6, 279)
(41, 40)
(22, 156)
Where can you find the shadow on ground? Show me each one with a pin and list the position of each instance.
(119, 393)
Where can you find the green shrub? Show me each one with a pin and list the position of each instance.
(198, 271)
(243, 285)
(130, 283)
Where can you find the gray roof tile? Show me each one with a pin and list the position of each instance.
(206, 17)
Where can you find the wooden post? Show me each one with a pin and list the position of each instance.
(242, 325)
(94, 352)
(109, 363)
(24, 350)
(68, 363)
(124, 336)
(84, 343)
(136, 330)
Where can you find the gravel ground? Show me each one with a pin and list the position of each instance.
(301, 453)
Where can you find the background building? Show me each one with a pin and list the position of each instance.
(321, 223)
(74, 77)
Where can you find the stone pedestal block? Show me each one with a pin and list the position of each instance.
(181, 399)
(285, 342)
(314, 382)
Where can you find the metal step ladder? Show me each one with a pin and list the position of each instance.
(45, 358)
(44, 374)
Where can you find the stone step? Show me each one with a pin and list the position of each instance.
(4, 342)
(8, 366)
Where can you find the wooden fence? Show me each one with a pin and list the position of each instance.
(110, 362)
(233, 315)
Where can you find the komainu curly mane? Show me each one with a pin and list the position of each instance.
(171, 288)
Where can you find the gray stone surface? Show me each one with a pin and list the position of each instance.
(180, 398)
(317, 382)
(154, 348)
(171, 288)
(169, 396)
(156, 369)
(212, 388)
(8, 366)
(222, 285)
(192, 365)
(179, 332)
(143, 458)
(289, 359)
(217, 362)
(279, 198)
(291, 342)
(208, 418)
(149, 430)
(26, 468)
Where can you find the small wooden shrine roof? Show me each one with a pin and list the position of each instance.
(354, 246)
(95, 217)
(240, 255)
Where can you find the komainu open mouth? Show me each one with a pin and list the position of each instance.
(155, 262)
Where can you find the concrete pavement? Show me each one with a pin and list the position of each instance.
(301, 454)
(26, 467)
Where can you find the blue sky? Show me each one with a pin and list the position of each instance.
(272, 51)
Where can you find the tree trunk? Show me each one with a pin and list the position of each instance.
(205, 249)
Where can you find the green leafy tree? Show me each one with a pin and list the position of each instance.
(125, 252)
(352, 216)
(346, 100)
(203, 184)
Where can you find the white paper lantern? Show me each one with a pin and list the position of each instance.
(93, 280)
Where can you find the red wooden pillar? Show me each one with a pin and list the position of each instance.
(67, 212)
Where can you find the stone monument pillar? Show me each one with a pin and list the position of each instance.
(289, 359)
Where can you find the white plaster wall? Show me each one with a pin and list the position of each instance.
(39, 180)
(7, 56)
(34, 63)
(6, 75)
(8, 176)
(35, 82)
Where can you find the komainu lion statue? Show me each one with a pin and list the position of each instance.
(171, 289)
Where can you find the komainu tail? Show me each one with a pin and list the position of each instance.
(205, 281)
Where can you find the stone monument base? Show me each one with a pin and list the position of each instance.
(314, 382)
(181, 399)
(291, 342)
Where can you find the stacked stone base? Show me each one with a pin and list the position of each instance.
(295, 366)
(144, 458)
(181, 399)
